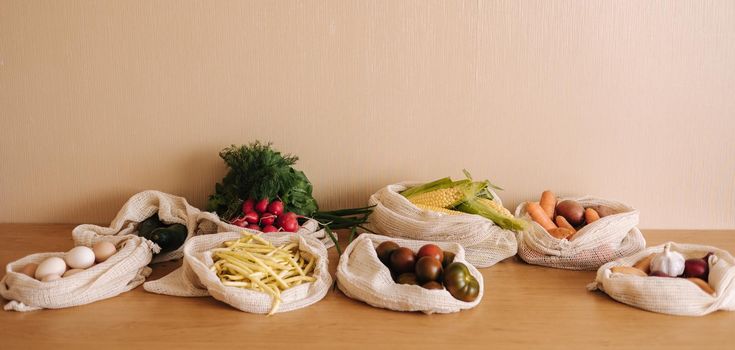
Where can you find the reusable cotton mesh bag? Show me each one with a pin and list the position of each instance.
(604, 240)
(120, 273)
(484, 242)
(171, 210)
(195, 278)
(361, 276)
(676, 296)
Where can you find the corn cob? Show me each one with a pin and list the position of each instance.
(496, 206)
(490, 212)
(439, 209)
(441, 198)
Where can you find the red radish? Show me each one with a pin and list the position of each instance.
(262, 205)
(251, 217)
(267, 219)
(270, 228)
(290, 225)
(239, 222)
(254, 227)
(276, 207)
(248, 205)
(285, 216)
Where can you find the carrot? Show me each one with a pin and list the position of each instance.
(539, 215)
(562, 222)
(561, 233)
(548, 202)
(591, 215)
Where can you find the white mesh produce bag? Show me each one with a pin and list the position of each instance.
(195, 278)
(484, 242)
(171, 210)
(602, 241)
(676, 296)
(362, 276)
(120, 273)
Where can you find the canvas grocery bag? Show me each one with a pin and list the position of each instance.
(120, 273)
(604, 240)
(675, 296)
(195, 279)
(484, 242)
(171, 210)
(362, 276)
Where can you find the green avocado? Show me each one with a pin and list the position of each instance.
(148, 225)
(169, 238)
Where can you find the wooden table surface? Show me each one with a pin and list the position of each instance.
(524, 306)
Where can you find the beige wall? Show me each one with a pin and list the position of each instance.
(630, 100)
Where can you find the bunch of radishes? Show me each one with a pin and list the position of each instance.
(266, 217)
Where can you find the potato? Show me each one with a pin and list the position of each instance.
(602, 210)
(572, 211)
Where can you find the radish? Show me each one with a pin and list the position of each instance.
(290, 225)
(254, 227)
(270, 228)
(285, 216)
(267, 219)
(248, 205)
(276, 207)
(262, 205)
(239, 222)
(251, 217)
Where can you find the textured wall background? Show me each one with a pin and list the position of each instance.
(629, 100)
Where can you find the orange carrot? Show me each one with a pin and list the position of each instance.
(561, 233)
(548, 202)
(539, 215)
(562, 222)
(591, 215)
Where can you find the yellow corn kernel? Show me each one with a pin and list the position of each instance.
(496, 206)
(439, 210)
(441, 198)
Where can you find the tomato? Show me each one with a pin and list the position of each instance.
(384, 251)
(407, 278)
(402, 260)
(460, 283)
(431, 250)
(428, 269)
(448, 259)
(433, 285)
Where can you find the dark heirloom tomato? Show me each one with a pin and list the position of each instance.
(460, 283)
(431, 250)
(448, 259)
(402, 260)
(407, 278)
(428, 269)
(433, 285)
(384, 250)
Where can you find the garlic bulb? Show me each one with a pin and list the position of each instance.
(668, 262)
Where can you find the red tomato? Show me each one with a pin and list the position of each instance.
(431, 250)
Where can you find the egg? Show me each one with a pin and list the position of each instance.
(103, 250)
(50, 266)
(49, 278)
(29, 270)
(80, 257)
(71, 272)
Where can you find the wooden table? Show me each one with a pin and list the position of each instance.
(524, 307)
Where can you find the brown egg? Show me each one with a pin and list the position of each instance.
(103, 250)
(29, 270)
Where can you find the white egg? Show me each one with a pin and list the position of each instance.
(50, 266)
(80, 257)
(49, 278)
(71, 272)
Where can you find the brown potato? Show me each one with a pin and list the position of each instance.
(572, 211)
(602, 210)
